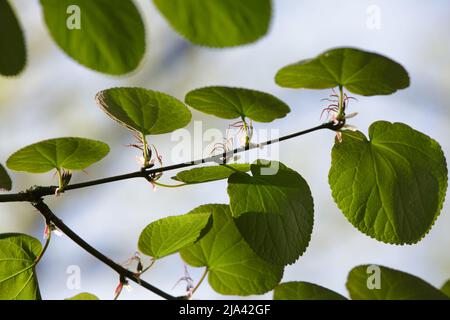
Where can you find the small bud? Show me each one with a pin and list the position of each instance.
(351, 115)
(47, 231)
(66, 176)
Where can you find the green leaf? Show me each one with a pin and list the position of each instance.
(392, 186)
(300, 290)
(446, 288)
(210, 173)
(231, 103)
(13, 53)
(273, 209)
(18, 280)
(5, 180)
(83, 296)
(110, 37)
(360, 72)
(61, 153)
(393, 285)
(144, 111)
(169, 235)
(234, 269)
(218, 23)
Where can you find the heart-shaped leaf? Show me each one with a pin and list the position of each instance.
(83, 296)
(169, 235)
(104, 35)
(218, 23)
(18, 280)
(273, 210)
(5, 180)
(299, 290)
(234, 269)
(232, 103)
(360, 72)
(446, 288)
(210, 173)
(368, 283)
(144, 111)
(61, 153)
(13, 53)
(392, 186)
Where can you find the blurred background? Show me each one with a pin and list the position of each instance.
(54, 97)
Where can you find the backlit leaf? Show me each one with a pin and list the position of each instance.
(393, 285)
(392, 186)
(232, 103)
(144, 111)
(446, 288)
(104, 35)
(360, 72)
(273, 209)
(18, 280)
(13, 53)
(218, 23)
(83, 296)
(210, 173)
(234, 269)
(169, 235)
(300, 290)
(61, 153)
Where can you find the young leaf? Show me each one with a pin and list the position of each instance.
(13, 53)
(234, 269)
(360, 72)
(446, 288)
(169, 235)
(362, 284)
(18, 280)
(273, 209)
(218, 23)
(5, 180)
(61, 153)
(232, 103)
(300, 290)
(392, 186)
(210, 173)
(104, 35)
(144, 111)
(83, 296)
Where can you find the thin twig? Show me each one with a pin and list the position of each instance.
(50, 216)
(36, 193)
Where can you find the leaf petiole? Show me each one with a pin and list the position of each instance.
(201, 280)
(44, 249)
(169, 185)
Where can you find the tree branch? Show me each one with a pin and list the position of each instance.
(50, 216)
(34, 194)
